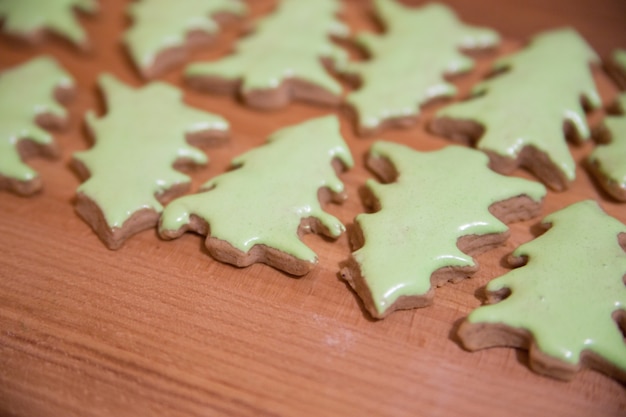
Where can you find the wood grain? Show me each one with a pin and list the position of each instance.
(160, 329)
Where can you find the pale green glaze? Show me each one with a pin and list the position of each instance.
(438, 197)
(409, 61)
(611, 158)
(527, 105)
(566, 294)
(619, 57)
(274, 187)
(289, 43)
(162, 24)
(25, 17)
(26, 92)
(136, 146)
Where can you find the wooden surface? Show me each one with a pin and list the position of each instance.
(159, 328)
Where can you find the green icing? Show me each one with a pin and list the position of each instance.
(26, 92)
(162, 24)
(619, 57)
(437, 198)
(137, 144)
(567, 293)
(408, 63)
(289, 43)
(611, 158)
(274, 187)
(528, 104)
(24, 17)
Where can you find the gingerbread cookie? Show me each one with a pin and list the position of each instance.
(616, 67)
(436, 211)
(163, 31)
(257, 212)
(285, 58)
(29, 19)
(131, 167)
(608, 161)
(567, 303)
(29, 96)
(408, 62)
(518, 117)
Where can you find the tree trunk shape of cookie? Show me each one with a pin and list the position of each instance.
(608, 162)
(164, 27)
(522, 112)
(256, 212)
(565, 302)
(28, 96)
(283, 58)
(408, 62)
(26, 18)
(442, 206)
(131, 165)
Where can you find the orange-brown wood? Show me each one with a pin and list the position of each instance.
(159, 328)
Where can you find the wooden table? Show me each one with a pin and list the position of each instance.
(160, 328)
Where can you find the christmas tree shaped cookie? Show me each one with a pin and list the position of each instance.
(257, 212)
(283, 59)
(28, 19)
(567, 302)
(29, 96)
(131, 167)
(443, 207)
(163, 30)
(518, 117)
(608, 162)
(408, 63)
(616, 67)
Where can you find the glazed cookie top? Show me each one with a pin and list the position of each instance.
(542, 86)
(610, 158)
(27, 17)
(613, 155)
(162, 24)
(26, 92)
(288, 43)
(619, 57)
(273, 188)
(132, 160)
(568, 292)
(409, 61)
(437, 198)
